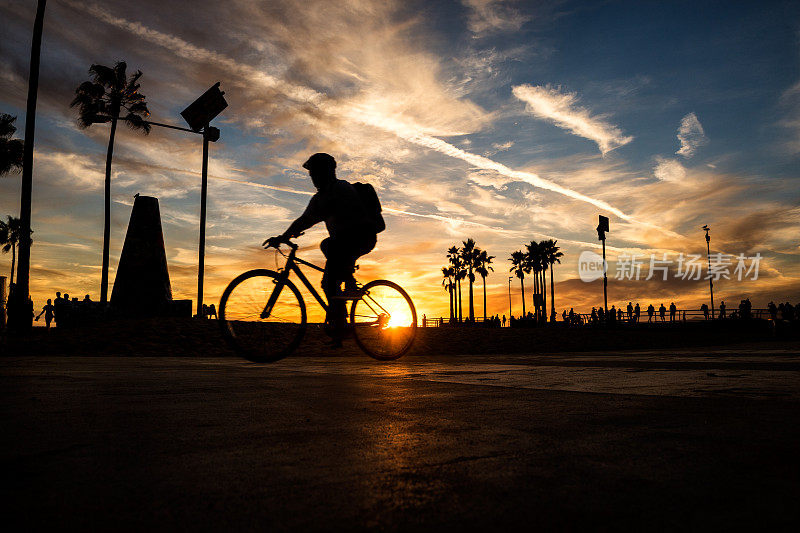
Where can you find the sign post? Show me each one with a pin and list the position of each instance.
(708, 256)
(198, 115)
(602, 228)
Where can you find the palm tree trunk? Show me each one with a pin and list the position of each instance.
(522, 283)
(544, 290)
(484, 298)
(544, 295)
(23, 276)
(13, 261)
(107, 214)
(460, 316)
(452, 307)
(471, 303)
(552, 292)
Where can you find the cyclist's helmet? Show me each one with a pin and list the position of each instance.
(320, 161)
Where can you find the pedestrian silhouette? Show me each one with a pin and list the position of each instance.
(630, 311)
(672, 310)
(662, 312)
(704, 309)
(637, 312)
(48, 311)
(650, 311)
(722, 309)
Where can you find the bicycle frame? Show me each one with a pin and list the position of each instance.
(291, 266)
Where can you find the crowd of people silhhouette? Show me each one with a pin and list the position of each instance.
(61, 311)
(632, 314)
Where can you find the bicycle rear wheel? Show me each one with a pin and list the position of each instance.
(384, 320)
(258, 336)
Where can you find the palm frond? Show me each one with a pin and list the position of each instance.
(135, 122)
(7, 128)
(103, 75)
(139, 108)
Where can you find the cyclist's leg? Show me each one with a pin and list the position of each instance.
(336, 265)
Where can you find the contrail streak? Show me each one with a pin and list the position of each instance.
(363, 116)
(441, 218)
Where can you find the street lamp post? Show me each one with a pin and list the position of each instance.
(602, 228)
(708, 256)
(198, 115)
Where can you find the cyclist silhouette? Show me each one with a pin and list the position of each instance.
(352, 234)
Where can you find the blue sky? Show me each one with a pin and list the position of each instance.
(501, 121)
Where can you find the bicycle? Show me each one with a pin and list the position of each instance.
(263, 315)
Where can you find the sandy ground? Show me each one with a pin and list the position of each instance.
(653, 439)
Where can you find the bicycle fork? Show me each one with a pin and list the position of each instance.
(276, 292)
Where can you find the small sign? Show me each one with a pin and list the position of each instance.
(602, 227)
(204, 109)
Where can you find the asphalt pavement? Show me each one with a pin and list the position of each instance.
(658, 440)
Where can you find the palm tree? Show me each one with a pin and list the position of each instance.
(10, 149)
(552, 255)
(10, 236)
(110, 96)
(448, 274)
(469, 253)
(482, 267)
(519, 266)
(533, 257)
(454, 255)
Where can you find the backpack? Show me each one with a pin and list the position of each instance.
(372, 205)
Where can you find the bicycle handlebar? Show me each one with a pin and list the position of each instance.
(275, 242)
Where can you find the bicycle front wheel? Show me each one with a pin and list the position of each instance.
(384, 320)
(259, 334)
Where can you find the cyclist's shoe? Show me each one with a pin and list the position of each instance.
(351, 290)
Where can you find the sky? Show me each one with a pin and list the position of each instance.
(501, 121)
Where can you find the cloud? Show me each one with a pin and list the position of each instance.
(790, 101)
(492, 16)
(669, 170)
(375, 107)
(552, 104)
(691, 135)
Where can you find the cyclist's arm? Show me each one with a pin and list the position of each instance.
(312, 215)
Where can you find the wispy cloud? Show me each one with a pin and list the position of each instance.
(491, 16)
(669, 170)
(690, 135)
(552, 104)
